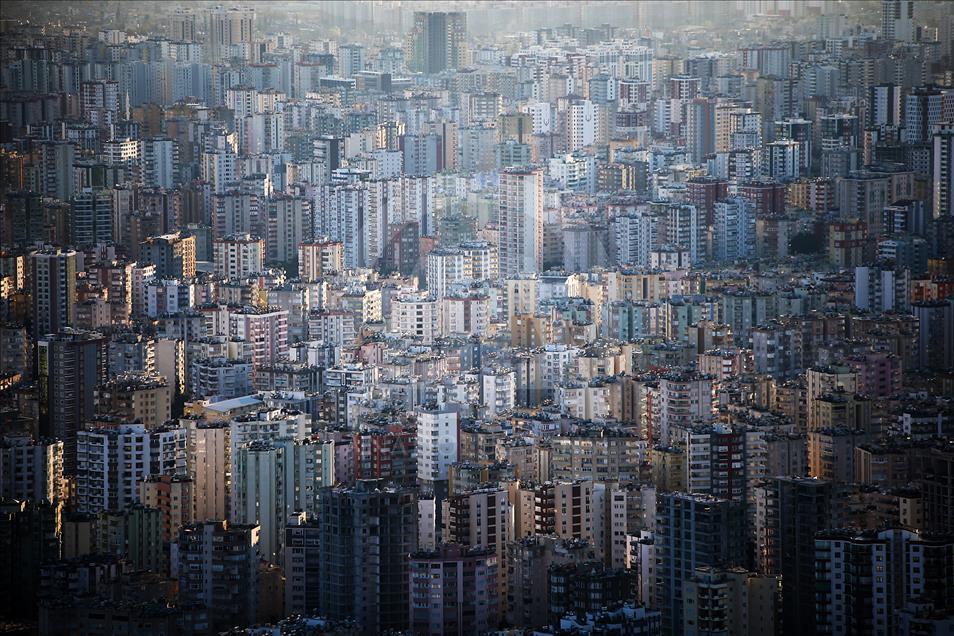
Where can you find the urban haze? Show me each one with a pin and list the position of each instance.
(514, 318)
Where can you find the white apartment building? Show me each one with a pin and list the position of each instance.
(683, 399)
(437, 442)
(581, 124)
(238, 256)
(110, 464)
(465, 314)
(270, 481)
(266, 330)
(520, 221)
(499, 390)
(267, 425)
(416, 316)
(575, 171)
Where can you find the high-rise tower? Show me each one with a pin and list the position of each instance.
(520, 221)
(70, 365)
(366, 534)
(943, 196)
(437, 41)
(53, 278)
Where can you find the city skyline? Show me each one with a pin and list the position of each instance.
(517, 318)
